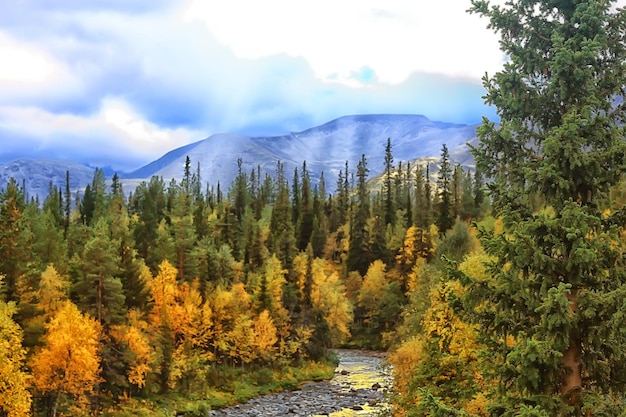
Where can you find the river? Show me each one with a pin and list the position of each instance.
(358, 389)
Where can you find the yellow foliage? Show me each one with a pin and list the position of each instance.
(52, 290)
(163, 289)
(474, 266)
(404, 359)
(300, 265)
(190, 324)
(68, 362)
(136, 337)
(275, 278)
(374, 284)
(328, 296)
(416, 246)
(15, 398)
(265, 336)
(242, 343)
(498, 226)
(477, 406)
(415, 275)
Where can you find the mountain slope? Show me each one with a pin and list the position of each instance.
(38, 174)
(325, 148)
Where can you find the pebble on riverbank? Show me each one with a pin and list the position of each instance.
(344, 392)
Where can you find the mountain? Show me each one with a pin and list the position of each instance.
(325, 148)
(38, 174)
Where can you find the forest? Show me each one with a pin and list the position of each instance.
(497, 290)
(177, 289)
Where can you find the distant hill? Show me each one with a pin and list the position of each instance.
(38, 174)
(325, 148)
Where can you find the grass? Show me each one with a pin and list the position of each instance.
(226, 386)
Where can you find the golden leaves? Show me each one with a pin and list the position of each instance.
(68, 361)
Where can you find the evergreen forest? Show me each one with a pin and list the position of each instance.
(181, 291)
(497, 290)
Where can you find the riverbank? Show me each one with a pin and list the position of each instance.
(227, 387)
(358, 388)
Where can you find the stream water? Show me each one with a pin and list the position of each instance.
(358, 388)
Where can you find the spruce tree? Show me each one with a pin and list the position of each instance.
(390, 210)
(358, 253)
(445, 219)
(552, 315)
(306, 216)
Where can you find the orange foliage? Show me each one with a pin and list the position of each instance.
(68, 362)
(14, 396)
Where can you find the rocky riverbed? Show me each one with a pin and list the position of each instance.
(358, 388)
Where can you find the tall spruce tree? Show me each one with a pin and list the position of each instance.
(390, 210)
(358, 252)
(552, 315)
(445, 219)
(306, 216)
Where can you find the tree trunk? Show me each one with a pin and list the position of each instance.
(56, 403)
(572, 362)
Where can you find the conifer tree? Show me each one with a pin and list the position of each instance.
(389, 210)
(445, 218)
(358, 254)
(306, 217)
(282, 239)
(13, 254)
(67, 202)
(559, 278)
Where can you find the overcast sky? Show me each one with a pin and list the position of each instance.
(120, 82)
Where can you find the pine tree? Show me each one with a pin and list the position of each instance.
(306, 217)
(282, 239)
(13, 254)
(445, 218)
(559, 280)
(390, 209)
(358, 255)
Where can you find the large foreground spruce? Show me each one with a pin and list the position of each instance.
(553, 318)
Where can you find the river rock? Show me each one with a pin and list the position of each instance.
(353, 390)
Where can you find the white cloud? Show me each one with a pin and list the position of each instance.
(394, 38)
(115, 133)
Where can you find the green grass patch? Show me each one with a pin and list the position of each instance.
(227, 386)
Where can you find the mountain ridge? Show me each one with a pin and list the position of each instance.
(325, 148)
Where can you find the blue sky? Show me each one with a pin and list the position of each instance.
(118, 83)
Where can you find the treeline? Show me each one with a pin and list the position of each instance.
(107, 297)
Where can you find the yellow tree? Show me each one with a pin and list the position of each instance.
(68, 363)
(192, 330)
(14, 381)
(139, 355)
(228, 307)
(328, 298)
(183, 325)
(417, 244)
(265, 336)
(242, 341)
(53, 291)
(381, 302)
(443, 362)
(269, 295)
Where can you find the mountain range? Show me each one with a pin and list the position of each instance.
(325, 148)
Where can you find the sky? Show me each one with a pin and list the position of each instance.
(119, 83)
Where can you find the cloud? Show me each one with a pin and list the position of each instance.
(339, 37)
(119, 83)
(116, 136)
